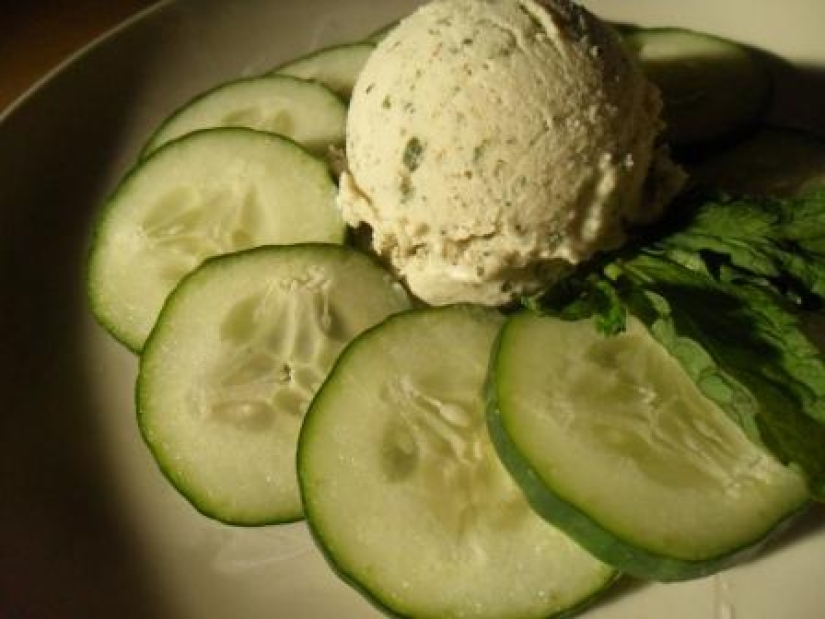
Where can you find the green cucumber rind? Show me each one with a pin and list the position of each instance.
(150, 146)
(337, 565)
(588, 532)
(110, 203)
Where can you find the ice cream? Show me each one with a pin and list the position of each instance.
(492, 142)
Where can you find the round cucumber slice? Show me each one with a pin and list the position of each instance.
(613, 443)
(211, 192)
(237, 354)
(337, 67)
(306, 112)
(403, 490)
(711, 87)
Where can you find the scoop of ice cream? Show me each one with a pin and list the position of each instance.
(492, 142)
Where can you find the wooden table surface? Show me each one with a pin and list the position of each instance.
(37, 35)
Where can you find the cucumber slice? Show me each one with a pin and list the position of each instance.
(613, 443)
(773, 162)
(336, 67)
(306, 112)
(711, 87)
(403, 490)
(237, 354)
(211, 192)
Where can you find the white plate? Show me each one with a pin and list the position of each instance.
(88, 526)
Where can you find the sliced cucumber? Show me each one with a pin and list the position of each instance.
(612, 442)
(306, 112)
(712, 87)
(211, 192)
(773, 162)
(236, 356)
(336, 67)
(403, 490)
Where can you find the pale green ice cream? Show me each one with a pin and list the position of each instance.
(490, 142)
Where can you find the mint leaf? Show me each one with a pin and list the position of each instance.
(584, 296)
(782, 241)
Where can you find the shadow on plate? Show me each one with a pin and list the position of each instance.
(625, 586)
(65, 552)
(799, 95)
(808, 524)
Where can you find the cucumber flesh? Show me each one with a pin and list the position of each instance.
(712, 88)
(306, 112)
(773, 162)
(336, 67)
(210, 192)
(403, 490)
(613, 443)
(235, 358)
